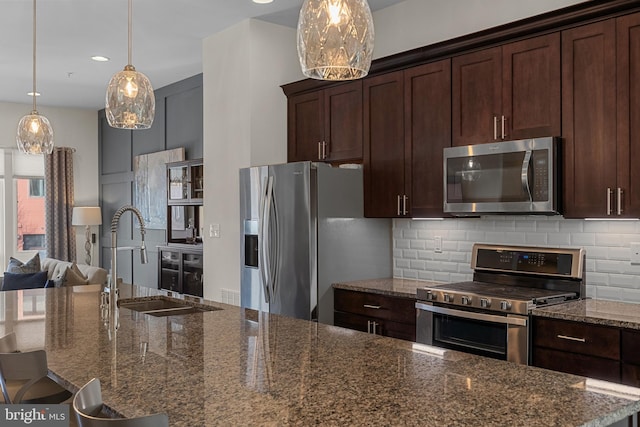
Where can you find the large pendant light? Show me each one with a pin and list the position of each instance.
(34, 134)
(335, 39)
(130, 102)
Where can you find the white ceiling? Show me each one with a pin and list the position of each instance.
(167, 42)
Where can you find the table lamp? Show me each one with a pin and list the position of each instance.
(87, 216)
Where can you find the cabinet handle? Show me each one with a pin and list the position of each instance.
(398, 207)
(609, 193)
(374, 324)
(375, 307)
(504, 134)
(619, 201)
(405, 202)
(319, 150)
(324, 150)
(566, 337)
(495, 128)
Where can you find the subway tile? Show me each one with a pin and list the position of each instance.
(425, 234)
(559, 239)
(425, 275)
(623, 281)
(401, 243)
(548, 226)
(397, 253)
(457, 235)
(583, 239)
(417, 244)
(596, 279)
(475, 236)
(410, 234)
(397, 233)
(535, 239)
(630, 227)
(402, 263)
(425, 255)
(410, 254)
(402, 223)
(442, 277)
(596, 226)
(503, 225)
(458, 256)
(525, 226)
(620, 254)
(409, 274)
(572, 226)
(417, 265)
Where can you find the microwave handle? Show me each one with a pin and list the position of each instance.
(524, 174)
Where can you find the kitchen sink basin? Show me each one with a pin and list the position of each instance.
(161, 306)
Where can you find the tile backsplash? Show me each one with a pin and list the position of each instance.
(609, 272)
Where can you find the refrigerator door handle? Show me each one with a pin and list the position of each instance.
(262, 236)
(271, 241)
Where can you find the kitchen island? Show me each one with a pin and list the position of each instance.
(237, 367)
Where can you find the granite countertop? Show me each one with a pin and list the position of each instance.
(237, 367)
(388, 286)
(600, 312)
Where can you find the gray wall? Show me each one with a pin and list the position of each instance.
(178, 123)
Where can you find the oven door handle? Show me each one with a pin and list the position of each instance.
(509, 320)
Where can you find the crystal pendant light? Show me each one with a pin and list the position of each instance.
(130, 102)
(34, 134)
(335, 39)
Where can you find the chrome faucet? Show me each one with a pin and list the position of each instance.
(113, 283)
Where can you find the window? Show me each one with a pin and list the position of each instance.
(22, 208)
(36, 187)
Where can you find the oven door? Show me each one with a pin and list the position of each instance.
(504, 337)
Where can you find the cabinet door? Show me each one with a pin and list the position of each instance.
(477, 96)
(343, 122)
(384, 144)
(628, 99)
(531, 87)
(305, 124)
(427, 132)
(589, 118)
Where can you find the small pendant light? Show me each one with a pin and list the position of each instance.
(130, 102)
(335, 39)
(34, 134)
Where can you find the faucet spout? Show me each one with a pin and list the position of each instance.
(113, 284)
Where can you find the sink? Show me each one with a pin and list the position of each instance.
(161, 306)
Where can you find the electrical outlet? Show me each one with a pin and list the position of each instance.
(437, 247)
(635, 253)
(214, 231)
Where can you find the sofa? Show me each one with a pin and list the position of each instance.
(49, 272)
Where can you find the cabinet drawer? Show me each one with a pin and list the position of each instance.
(383, 327)
(396, 309)
(631, 346)
(630, 374)
(578, 364)
(577, 337)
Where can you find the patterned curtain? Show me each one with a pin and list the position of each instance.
(58, 175)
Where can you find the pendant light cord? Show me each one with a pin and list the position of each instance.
(129, 47)
(34, 56)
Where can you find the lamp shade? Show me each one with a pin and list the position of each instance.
(86, 216)
(34, 134)
(335, 39)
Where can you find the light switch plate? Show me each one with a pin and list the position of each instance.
(214, 231)
(635, 253)
(437, 246)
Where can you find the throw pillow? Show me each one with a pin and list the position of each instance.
(15, 281)
(70, 278)
(31, 266)
(76, 270)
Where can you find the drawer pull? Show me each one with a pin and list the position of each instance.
(565, 337)
(375, 307)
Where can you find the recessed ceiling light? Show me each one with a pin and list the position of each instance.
(31, 93)
(99, 58)
(263, 1)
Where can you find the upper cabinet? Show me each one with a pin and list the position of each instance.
(407, 123)
(185, 179)
(601, 118)
(326, 125)
(507, 92)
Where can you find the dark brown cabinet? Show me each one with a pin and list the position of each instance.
(326, 125)
(507, 92)
(577, 348)
(601, 118)
(407, 123)
(375, 313)
(630, 354)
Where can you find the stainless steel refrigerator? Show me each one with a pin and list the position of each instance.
(302, 229)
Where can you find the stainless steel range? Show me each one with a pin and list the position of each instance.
(490, 315)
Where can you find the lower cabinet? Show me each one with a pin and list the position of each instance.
(180, 269)
(375, 313)
(601, 352)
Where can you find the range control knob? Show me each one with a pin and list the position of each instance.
(505, 305)
(466, 300)
(485, 302)
(448, 298)
(431, 296)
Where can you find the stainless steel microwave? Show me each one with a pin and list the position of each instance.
(512, 177)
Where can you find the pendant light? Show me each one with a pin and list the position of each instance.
(34, 134)
(335, 39)
(130, 102)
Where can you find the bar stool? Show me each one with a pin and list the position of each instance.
(23, 376)
(87, 404)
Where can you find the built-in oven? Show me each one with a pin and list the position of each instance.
(504, 177)
(504, 337)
